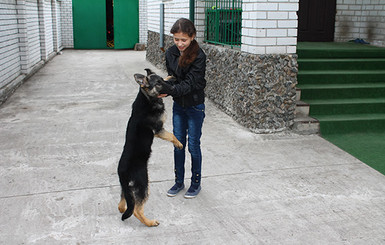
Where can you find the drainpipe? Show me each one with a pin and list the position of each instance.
(192, 10)
(161, 27)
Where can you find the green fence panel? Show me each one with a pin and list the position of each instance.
(223, 22)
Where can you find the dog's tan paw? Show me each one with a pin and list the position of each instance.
(178, 145)
(122, 208)
(154, 223)
(168, 78)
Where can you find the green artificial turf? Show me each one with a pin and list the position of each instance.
(367, 147)
(338, 50)
(350, 64)
(344, 84)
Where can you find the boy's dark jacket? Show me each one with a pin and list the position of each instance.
(189, 88)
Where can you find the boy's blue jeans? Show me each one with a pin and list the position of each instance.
(188, 121)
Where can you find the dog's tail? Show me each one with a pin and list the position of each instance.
(130, 201)
(129, 196)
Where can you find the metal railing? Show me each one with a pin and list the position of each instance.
(223, 22)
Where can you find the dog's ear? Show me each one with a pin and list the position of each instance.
(141, 80)
(149, 72)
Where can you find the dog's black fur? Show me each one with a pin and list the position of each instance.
(146, 121)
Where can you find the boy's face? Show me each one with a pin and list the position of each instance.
(182, 40)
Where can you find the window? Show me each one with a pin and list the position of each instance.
(223, 20)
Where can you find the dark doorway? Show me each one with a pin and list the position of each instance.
(110, 23)
(316, 19)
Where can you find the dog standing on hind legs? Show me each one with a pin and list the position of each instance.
(146, 121)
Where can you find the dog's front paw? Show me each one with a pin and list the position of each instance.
(178, 145)
(168, 78)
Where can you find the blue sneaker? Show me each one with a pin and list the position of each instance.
(192, 192)
(175, 190)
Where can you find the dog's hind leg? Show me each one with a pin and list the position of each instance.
(165, 135)
(141, 198)
(122, 206)
(139, 213)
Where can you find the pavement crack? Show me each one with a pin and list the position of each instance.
(59, 191)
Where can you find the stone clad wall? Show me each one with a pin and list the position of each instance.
(258, 91)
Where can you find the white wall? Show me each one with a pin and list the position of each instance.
(269, 26)
(67, 30)
(200, 19)
(46, 28)
(28, 37)
(143, 21)
(56, 25)
(173, 10)
(10, 66)
(363, 19)
(33, 33)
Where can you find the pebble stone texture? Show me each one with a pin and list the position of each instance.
(258, 91)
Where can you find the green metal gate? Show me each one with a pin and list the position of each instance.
(126, 23)
(223, 22)
(89, 23)
(90, 27)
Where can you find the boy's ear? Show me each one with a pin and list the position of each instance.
(141, 80)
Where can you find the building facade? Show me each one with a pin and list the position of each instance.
(253, 81)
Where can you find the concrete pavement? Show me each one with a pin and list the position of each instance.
(61, 136)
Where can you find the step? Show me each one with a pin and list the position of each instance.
(341, 64)
(306, 125)
(374, 122)
(298, 94)
(341, 76)
(302, 108)
(347, 106)
(338, 50)
(341, 91)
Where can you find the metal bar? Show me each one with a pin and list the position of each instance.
(161, 27)
(192, 10)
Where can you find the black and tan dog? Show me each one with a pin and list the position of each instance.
(146, 121)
